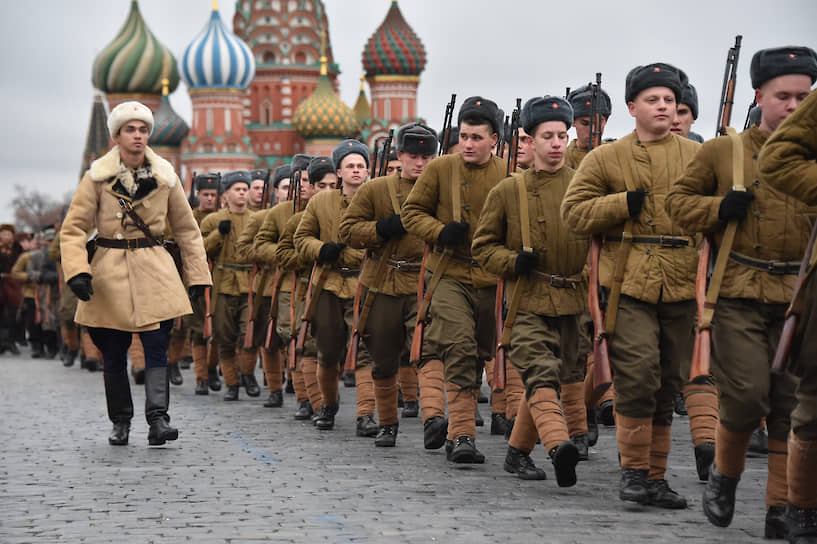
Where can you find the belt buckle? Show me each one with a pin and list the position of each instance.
(669, 241)
(134, 245)
(399, 264)
(776, 268)
(557, 281)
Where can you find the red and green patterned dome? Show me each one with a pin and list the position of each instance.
(394, 49)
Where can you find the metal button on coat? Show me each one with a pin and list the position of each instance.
(118, 236)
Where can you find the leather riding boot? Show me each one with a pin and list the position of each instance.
(120, 406)
(157, 399)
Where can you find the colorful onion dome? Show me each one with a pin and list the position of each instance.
(169, 130)
(217, 58)
(362, 109)
(323, 114)
(135, 61)
(394, 48)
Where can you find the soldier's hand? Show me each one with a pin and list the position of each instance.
(390, 227)
(81, 286)
(735, 205)
(525, 262)
(635, 201)
(453, 233)
(225, 226)
(196, 291)
(330, 252)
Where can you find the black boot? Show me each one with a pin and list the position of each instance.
(386, 436)
(304, 411)
(582, 443)
(157, 400)
(482, 398)
(434, 431)
(633, 486)
(289, 389)
(69, 357)
(186, 362)
(275, 400)
(464, 450)
(250, 385)
(349, 379)
(201, 388)
(138, 375)
(604, 414)
(802, 524)
(758, 444)
(704, 457)
(231, 394)
(411, 409)
(176, 377)
(519, 462)
(37, 350)
(499, 424)
(213, 380)
(326, 417)
(565, 457)
(478, 421)
(120, 407)
(719, 498)
(92, 365)
(777, 526)
(367, 426)
(663, 496)
(680, 405)
(509, 428)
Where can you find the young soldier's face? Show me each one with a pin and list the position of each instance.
(133, 137)
(582, 125)
(392, 166)
(779, 97)
(326, 183)
(256, 193)
(236, 195)
(524, 149)
(412, 164)
(549, 144)
(476, 142)
(654, 109)
(682, 122)
(282, 192)
(353, 170)
(207, 199)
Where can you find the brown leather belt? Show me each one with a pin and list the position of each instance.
(467, 260)
(405, 266)
(126, 243)
(663, 240)
(778, 268)
(232, 266)
(560, 282)
(347, 272)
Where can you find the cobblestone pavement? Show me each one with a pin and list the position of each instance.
(244, 473)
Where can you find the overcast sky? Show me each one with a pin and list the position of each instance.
(530, 48)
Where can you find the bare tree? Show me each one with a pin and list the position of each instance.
(36, 211)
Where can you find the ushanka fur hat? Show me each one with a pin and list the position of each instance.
(657, 74)
(129, 111)
(543, 109)
(417, 138)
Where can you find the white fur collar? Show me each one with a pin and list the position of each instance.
(107, 166)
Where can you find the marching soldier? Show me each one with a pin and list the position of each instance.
(28, 288)
(10, 291)
(524, 150)
(255, 196)
(687, 114)
(520, 236)
(42, 270)
(317, 240)
(318, 175)
(625, 182)
(372, 221)
(580, 101)
(231, 285)
(272, 358)
(442, 209)
(205, 370)
(787, 162)
(772, 234)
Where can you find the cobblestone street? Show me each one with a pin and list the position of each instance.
(241, 472)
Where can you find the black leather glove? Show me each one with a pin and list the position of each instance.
(390, 227)
(81, 286)
(525, 263)
(453, 233)
(330, 252)
(635, 201)
(735, 205)
(225, 226)
(196, 291)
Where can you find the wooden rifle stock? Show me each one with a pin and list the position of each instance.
(293, 300)
(781, 355)
(273, 307)
(250, 332)
(499, 362)
(700, 368)
(602, 377)
(313, 291)
(354, 342)
(416, 353)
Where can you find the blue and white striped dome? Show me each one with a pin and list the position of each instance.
(217, 58)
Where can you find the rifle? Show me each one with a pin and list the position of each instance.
(273, 307)
(708, 284)
(781, 354)
(513, 145)
(350, 364)
(567, 92)
(293, 300)
(746, 123)
(449, 116)
(602, 376)
(416, 353)
(500, 144)
(313, 291)
(252, 310)
(211, 293)
(375, 159)
(499, 306)
(384, 165)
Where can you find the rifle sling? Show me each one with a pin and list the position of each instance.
(716, 279)
(516, 292)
